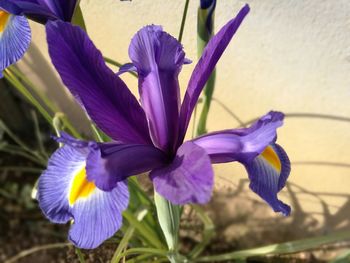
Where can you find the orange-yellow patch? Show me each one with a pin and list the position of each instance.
(272, 158)
(81, 187)
(4, 17)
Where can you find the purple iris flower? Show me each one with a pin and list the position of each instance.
(86, 181)
(15, 32)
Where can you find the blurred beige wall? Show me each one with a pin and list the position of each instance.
(292, 56)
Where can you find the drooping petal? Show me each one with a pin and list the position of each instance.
(104, 95)
(204, 68)
(188, 179)
(241, 144)
(41, 10)
(108, 164)
(54, 183)
(158, 58)
(98, 217)
(268, 174)
(65, 193)
(14, 38)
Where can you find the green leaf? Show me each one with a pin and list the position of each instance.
(169, 220)
(127, 236)
(208, 232)
(282, 248)
(342, 258)
(148, 233)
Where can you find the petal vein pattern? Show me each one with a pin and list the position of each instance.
(104, 95)
(65, 194)
(204, 68)
(158, 58)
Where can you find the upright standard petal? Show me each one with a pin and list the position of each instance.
(158, 58)
(241, 144)
(41, 10)
(104, 95)
(65, 194)
(204, 68)
(14, 38)
(268, 174)
(188, 178)
(110, 163)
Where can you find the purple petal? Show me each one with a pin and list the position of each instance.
(158, 58)
(188, 179)
(104, 95)
(204, 68)
(14, 38)
(41, 10)
(111, 163)
(65, 194)
(98, 217)
(128, 67)
(54, 183)
(268, 174)
(241, 144)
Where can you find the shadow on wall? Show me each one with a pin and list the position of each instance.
(243, 220)
(51, 86)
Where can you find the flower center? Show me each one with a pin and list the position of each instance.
(272, 158)
(4, 16)
(81, 187)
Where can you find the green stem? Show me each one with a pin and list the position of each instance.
(208, 94)
(183, 21)
(141, 250)
(80, 255)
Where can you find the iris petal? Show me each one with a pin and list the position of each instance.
(158, 58)
(14, 38)
(204, 68)
(111, 163)
(65, 193)
(104, 95)
(189, 177)
(241, 144)
(41, 10)
(98, 217)
(267, 163)
(268, 174)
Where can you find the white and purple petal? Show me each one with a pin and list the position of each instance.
(267, 163)
(103, 94)
(211, 54)
(188, 178)
(15, 38)
(65, 193)
(268, 174)
(158, 58)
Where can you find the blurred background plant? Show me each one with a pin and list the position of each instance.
(28, 118)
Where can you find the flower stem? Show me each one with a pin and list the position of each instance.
(183, 21)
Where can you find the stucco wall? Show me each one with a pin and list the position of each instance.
(292, 56)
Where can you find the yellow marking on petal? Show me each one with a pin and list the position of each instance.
(81, 187)
(4, 17)
(272, 158)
